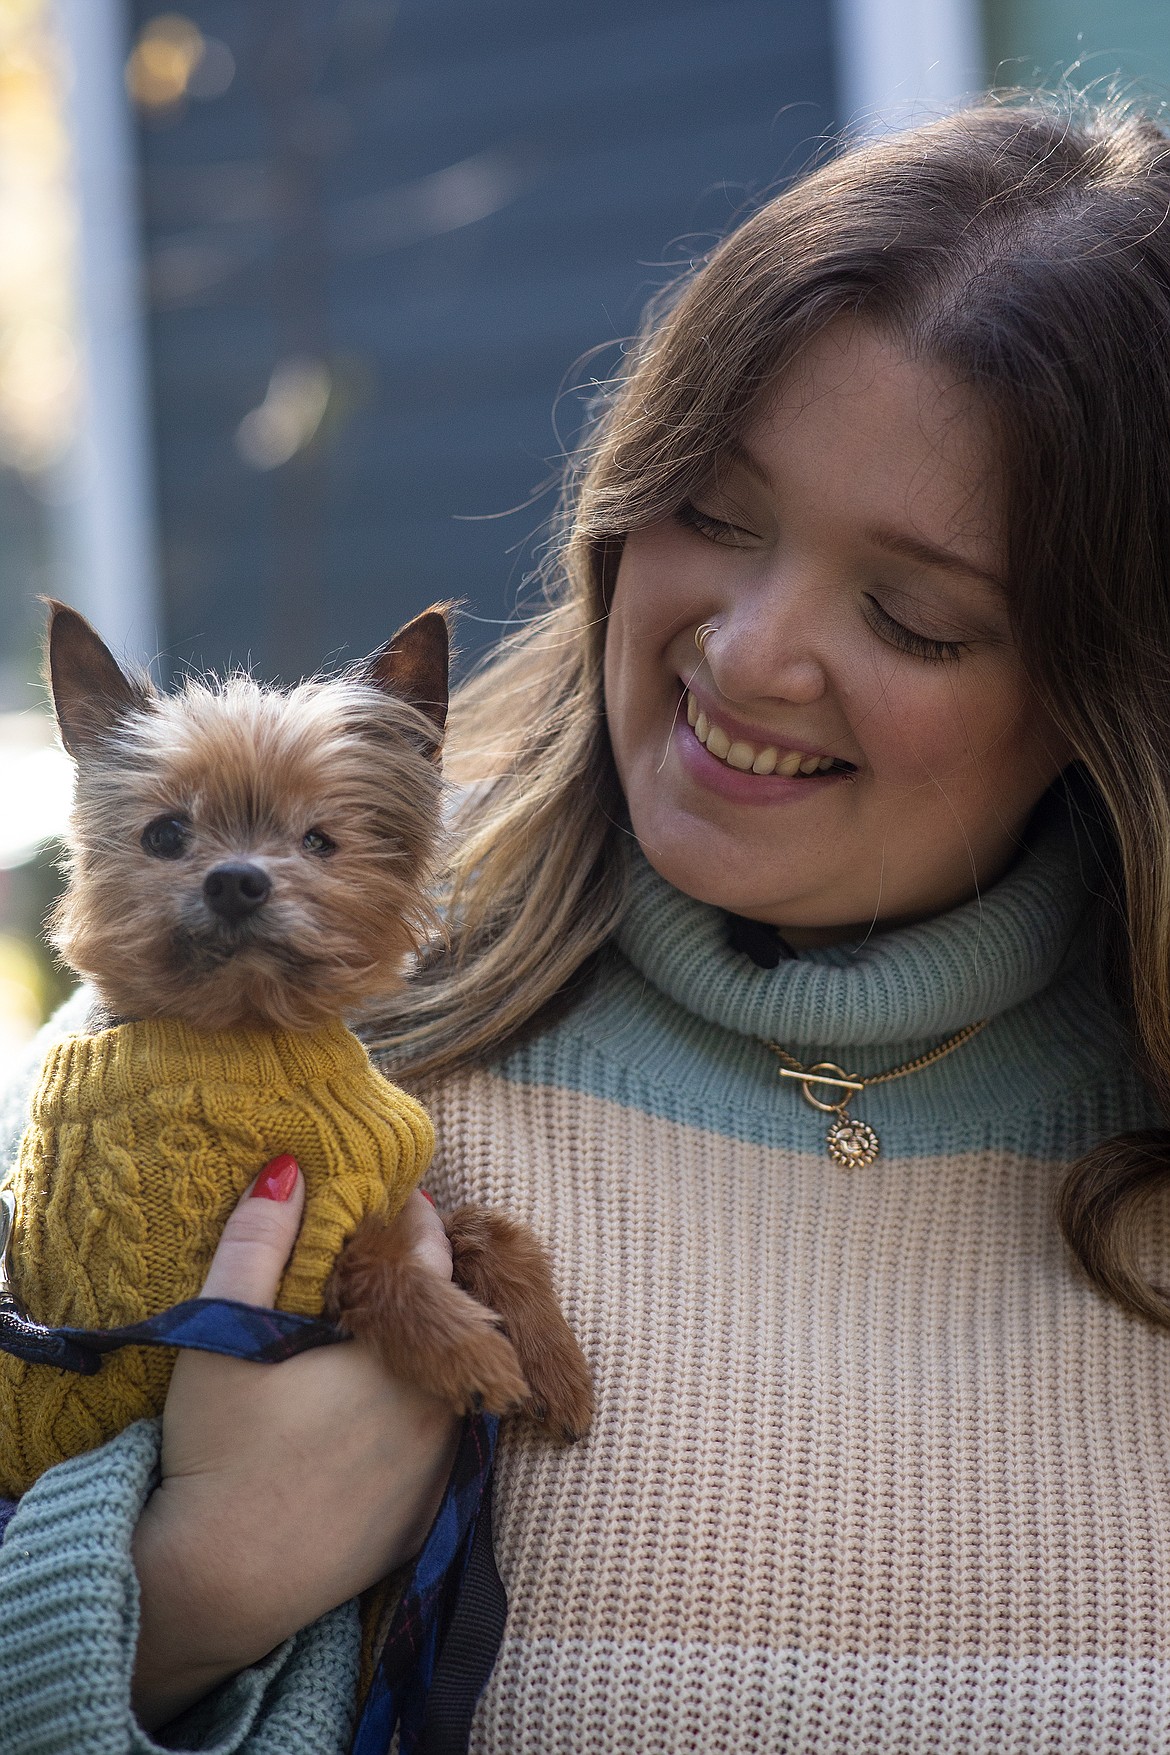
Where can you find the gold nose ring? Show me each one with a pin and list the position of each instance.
(702, 635)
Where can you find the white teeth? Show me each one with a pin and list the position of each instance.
(742, 755)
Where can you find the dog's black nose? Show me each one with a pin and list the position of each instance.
(236, 890)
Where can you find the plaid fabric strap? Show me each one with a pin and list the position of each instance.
(446, 1631)
(208, 1325)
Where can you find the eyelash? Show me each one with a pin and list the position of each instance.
(714, 529)
(905, 639)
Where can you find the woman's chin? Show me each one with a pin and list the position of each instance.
(706, 864)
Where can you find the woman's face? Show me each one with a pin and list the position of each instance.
(848, 560)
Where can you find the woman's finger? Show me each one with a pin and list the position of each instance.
(428, 1241)
(258, 1237)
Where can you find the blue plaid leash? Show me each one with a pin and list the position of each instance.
(207, 1325)
(446, 1631)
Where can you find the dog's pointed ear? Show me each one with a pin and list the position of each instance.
(91, 693)
(414, 665)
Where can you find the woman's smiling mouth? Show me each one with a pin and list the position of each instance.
(758, 755)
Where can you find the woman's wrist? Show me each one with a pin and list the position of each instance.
(219, 1585)
(188, 1638)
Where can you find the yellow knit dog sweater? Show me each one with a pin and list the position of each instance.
(140, 1142)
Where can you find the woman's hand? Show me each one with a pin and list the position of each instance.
(286, 1489)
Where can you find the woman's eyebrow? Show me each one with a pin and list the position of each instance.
(893, 541)
(913, 548)
(738, 454)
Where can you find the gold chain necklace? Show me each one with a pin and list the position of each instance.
(851, 1142)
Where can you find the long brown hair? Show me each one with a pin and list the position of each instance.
(1024, 246)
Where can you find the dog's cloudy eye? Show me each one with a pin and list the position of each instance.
(166, 837)
(317, 841)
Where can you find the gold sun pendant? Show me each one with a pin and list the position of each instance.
(851, 1143)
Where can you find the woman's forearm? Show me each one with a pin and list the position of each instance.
(188, 1637)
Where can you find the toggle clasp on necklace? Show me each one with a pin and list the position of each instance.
(820, 1075)
(851, 1142)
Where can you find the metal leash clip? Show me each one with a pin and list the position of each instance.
(10, 1305)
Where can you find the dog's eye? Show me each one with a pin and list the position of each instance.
(166, 837)
(317, 841)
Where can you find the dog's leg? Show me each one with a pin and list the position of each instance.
(425, 1328)
(502, 1265)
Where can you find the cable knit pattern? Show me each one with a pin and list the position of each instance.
(873, 1471)
(140, 1141)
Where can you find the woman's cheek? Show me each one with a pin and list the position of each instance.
(650, 602)
(976, 736)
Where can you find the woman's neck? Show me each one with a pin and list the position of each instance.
(812, 936)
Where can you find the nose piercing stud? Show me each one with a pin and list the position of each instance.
(702, 634)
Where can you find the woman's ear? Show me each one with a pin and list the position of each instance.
(91, 693)
(414, 665)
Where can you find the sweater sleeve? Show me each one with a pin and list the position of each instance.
(69, 1615)
(69, 1602)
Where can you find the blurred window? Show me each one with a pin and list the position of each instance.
(382, 237)
(38, 412)
(1123, 45)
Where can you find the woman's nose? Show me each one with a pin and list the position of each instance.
(756, 657)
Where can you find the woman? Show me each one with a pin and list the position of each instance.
(846, 740)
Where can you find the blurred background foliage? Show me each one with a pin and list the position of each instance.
(300, 300)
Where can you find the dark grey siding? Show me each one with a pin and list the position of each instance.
(450, 202)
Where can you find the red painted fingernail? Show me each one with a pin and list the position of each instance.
(427, 1196)
(277, 1180)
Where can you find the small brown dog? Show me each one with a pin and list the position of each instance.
(248, 860)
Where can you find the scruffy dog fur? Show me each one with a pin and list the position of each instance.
(243, 856)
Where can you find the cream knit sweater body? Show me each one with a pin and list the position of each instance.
(873, 1472)
(873, 1469)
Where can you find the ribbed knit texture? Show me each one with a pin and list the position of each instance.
(69, 1629)
(873, 1472)
(873, 1469)
(140, 1141)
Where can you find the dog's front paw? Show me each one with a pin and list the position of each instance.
(425, 1329)
(561, 1402)
(483, 1373)
(503, 1266)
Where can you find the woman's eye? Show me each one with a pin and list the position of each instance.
(317, 841)
(714, 529)
(906, 640)
(166, 837)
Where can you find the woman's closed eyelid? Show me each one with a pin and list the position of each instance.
(896, 633)
(714, 528)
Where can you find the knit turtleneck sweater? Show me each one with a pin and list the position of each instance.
(874, 1471)
(873, 1468)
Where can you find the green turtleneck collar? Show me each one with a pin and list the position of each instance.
(917, 982)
